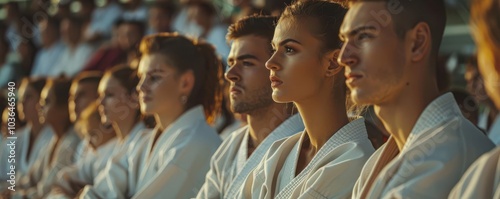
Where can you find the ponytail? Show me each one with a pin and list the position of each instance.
(187, 55)
(211, 92)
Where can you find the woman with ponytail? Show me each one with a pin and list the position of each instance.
(180, 86)
(325, 160)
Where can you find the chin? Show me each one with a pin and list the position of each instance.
(360, 98)
(280, 97)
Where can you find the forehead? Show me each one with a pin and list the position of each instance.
(367, 13)
(108, 81)
(287, 27)
(153, 62)
(249, 44)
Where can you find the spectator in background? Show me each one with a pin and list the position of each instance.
(125, 41)
(86, 10)
(243, 8)
(204, 16)
(53, 109)
(8, 69)
(488, 118)
(161, 15)
(102, 19)
(63, 9)
(51, 49)
(135, 10)
(182, 23)
(26, 54)
(77, 51)
(13, 16)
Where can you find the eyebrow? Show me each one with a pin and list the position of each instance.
(242, 57)
(287, 41)
(356, 31)
(156, 70)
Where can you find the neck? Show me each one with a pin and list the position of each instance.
(50, 44)
(36, 127)
(263, 121)
(60, 129)
(123, 128)
(400, 114)
(314, 111)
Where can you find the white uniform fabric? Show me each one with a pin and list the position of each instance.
(494, 132)
(174, 168)
(63, 156)
(331, 173)
(46, 59)
(230, 166)
(85, 171)
(482, 179)
(439, 149)
(39, 146)
(72, 61)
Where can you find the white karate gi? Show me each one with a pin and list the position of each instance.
(439, 149)
(174, 168)
(63, 156)
(231, 160)
(482, 179)
(331, 173)
(85, 171)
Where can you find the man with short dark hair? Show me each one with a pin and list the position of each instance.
(390, 52)
(250, 94)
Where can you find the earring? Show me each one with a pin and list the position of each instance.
(184, 99)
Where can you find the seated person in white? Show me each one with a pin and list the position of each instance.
(250, 94)
(116, 89)
(77, 52)
(35, 135)
(327, 157)
(51, 50)
(482, 179)
(60, 152)
(180, 86)
(391, 64)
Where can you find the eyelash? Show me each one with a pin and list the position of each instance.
(362, 36)
(287, 50)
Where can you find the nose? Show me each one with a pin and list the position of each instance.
(272, 63)
(347, 55)
(232, 74)
(140, 85)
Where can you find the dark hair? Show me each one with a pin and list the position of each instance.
(485, 15)
(411, 12)
(138, 24)
(126, 75)
(53, 22)
(205, 6)
(36, 83)
(75, 20)
(61, 87)
(325, 20)
(88, 77)
(167, 7)
(258, 25)
(187, 55)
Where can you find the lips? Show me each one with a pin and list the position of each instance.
(144, 97)
(275, 81)
(352, 77)
(235, 89)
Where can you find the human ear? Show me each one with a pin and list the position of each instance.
(421, 41)
(333, 66)
(186, 82)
